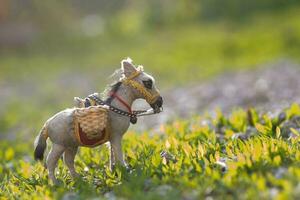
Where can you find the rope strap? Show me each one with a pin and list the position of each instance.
(150, 98)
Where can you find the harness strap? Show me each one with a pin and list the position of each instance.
(150, 98)
(134, 75)
(121, 101)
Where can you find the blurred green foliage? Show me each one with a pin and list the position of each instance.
(205, 48)
(206, 37)
(185, 159)
(149, 13)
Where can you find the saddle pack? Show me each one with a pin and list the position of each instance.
(91, 125)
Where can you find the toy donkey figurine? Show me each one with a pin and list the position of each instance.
(99, 122)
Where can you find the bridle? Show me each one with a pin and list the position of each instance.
(150, 98)
(129, 81)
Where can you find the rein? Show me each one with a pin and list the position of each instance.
(132, 115)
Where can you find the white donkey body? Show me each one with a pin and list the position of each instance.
(60, 127)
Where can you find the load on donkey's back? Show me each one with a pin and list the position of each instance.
(94, 121)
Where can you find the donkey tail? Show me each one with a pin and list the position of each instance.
(40, 143)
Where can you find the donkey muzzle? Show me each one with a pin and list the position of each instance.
(157, 104)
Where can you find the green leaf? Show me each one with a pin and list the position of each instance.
(9, 154)
(262, 129)
(278, 132)
(295, 131)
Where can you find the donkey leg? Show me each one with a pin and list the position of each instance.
(55, 153)
(117, 150)
(112, 160)
(69, 157)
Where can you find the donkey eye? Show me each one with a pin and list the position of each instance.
(148, 84)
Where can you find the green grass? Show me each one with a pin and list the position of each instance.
(265, 166)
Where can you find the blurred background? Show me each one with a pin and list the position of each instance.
(203, 54)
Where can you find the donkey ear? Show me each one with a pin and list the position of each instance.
(127, 67)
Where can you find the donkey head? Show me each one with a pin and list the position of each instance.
(141, 84)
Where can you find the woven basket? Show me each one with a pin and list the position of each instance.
(92, 120)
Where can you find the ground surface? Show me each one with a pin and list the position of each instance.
(244, 156)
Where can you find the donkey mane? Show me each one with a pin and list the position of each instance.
(113, 87)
